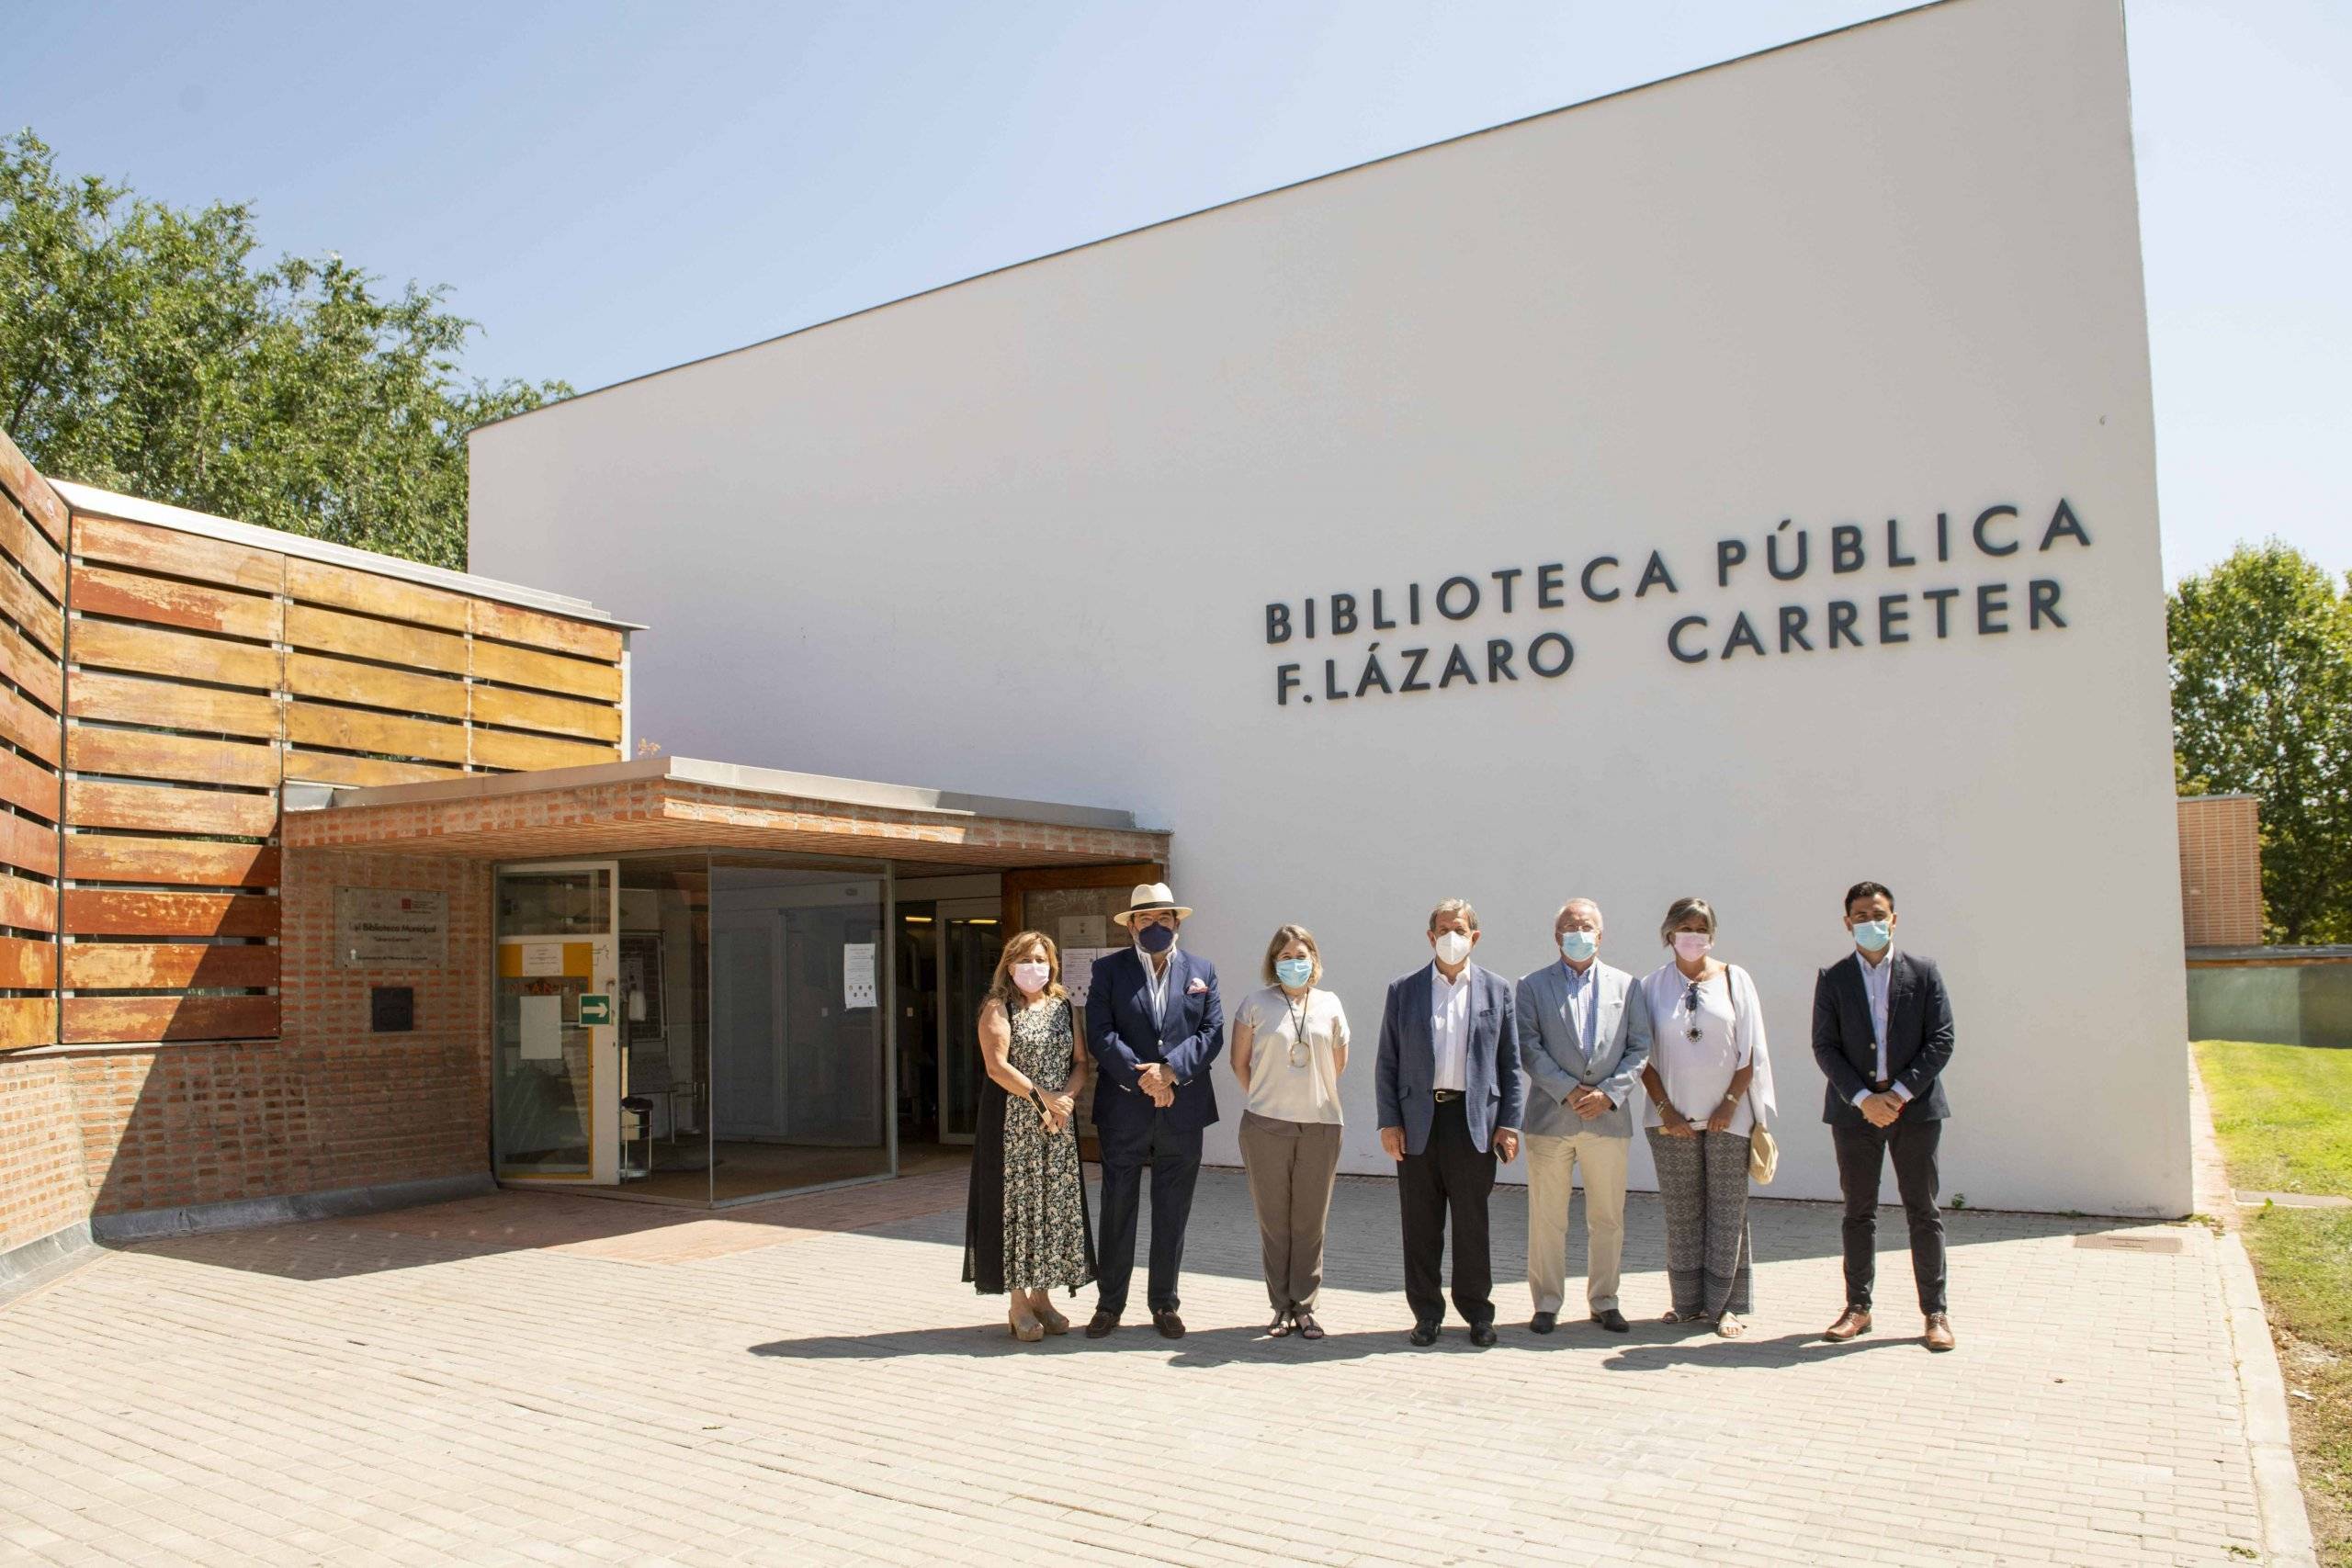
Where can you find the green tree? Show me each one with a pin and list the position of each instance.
(142, 349)
(2261, 704)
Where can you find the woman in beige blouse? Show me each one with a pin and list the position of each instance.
(1290, 1045)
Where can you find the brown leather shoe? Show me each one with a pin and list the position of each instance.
(1939, 1335)
(1853, 1321)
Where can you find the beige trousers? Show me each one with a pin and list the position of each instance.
(1292, 1166)
(1551, 1179)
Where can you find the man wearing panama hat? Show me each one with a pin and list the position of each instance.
(1154, 1024)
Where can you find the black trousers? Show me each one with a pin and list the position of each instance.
(1175, 1161)
(1862, 1156)
(1450, 1178)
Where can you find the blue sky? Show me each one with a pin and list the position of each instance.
(611, 188)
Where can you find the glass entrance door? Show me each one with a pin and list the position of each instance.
(556, 1074)
(970, 940)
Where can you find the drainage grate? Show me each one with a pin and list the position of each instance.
(2120, 1241)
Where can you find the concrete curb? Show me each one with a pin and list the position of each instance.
(197, 1219)
(26, 1267)
(2262, 1387)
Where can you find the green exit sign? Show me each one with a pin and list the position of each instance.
(595, 1007)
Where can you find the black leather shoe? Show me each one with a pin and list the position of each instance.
(1171, 1326)
(1100, 1324)
(1612, 1320)
(1482, 1335)
(1543, 1322)
(1424, 1333)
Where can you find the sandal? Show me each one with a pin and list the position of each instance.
(1671, 1316)
(1307, 1327)
(1279, 1327)
(1729, 1327)
(1023, 1324)
(1047, 1318)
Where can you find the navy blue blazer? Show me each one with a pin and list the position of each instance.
(1918, 1037)
(1123, 1036)
(1407, 1079)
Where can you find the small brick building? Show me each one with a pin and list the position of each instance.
(327, 881)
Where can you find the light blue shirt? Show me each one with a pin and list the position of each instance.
(1583, 1001)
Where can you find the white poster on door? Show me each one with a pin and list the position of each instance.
(542, 957)
(1078, 969)
(857, 974)
(542, 1029)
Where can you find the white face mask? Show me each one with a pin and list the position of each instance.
(1452, 947)
(1032, 978)
(1692, 946)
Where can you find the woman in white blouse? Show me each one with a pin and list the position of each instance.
(1290, 1045)
(1709, 1082)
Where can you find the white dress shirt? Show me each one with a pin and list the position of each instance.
(1876, 978)
(1583, 1002)
(1155, 979)
(1450, 1028)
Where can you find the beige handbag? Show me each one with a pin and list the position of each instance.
(1763, 1149)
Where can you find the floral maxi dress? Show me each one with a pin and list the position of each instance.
(1026, 1225)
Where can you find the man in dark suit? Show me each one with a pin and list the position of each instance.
(1154, 1024)
(1881, 1032)
(1449, 1097)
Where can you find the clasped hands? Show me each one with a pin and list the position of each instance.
(1157, 1082)
(1588, 1102)
(1672, 1123)
(1055, 1114)
(1882, 1109)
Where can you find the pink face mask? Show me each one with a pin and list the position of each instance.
(1031, 978)
(1692, 946)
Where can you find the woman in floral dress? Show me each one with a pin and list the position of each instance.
(1025, 1225)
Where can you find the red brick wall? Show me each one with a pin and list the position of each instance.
(42, 1185)
(2220, 871)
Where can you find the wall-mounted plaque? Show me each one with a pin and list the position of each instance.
(385, 928)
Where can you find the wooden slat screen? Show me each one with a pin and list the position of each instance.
(33, 528)
(204, 674)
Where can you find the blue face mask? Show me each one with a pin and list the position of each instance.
(1156, 938)
(1580, 946)
(1294, 972)
(1871, 936)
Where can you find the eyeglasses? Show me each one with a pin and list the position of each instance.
(1690, 1007)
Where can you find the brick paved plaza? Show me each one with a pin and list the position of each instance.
(529, 1379)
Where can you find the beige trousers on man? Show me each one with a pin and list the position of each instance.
(1552, 1163)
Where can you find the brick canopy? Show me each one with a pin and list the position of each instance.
(674, 802)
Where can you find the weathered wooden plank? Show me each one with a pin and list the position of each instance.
(25, 904)
(162, 808)
(109, 591)
(315, 675)
(23, 724)
(535, 710)
(182, 655)
(93, 1019)
(371, 593)
(167, 705)
(147, 548)
(36, 669)
(30, 549)
(353, 730)
(547, 672)
(27, 845)
(410, 647)
(28, 966)
(536, 628)
(197, 863)
(28, 1021)
(144, 965)
(187, 759)
(326, 767)
(504, 748)
(42, 504)
(105, 911)
(41, 618)
(27, 785)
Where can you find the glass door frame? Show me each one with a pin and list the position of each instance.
(606, 1069)
(947, 909)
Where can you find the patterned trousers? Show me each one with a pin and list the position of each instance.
(1702, 1185)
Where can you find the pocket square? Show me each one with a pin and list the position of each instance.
(1197, 988)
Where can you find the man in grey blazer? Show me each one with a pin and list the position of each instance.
(1583, 1037)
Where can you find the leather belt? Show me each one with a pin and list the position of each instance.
(1443, 1095)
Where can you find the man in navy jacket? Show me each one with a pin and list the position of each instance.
(1154, 1023)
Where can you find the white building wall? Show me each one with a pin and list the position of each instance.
(1019, 535)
